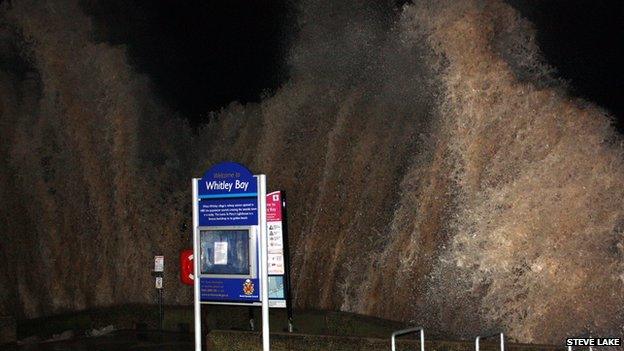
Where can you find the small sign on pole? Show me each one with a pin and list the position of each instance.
(159, 263)
(159, 269)
(159, 283)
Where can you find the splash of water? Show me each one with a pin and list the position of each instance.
(436, 171)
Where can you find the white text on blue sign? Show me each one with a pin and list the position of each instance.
(225, 185)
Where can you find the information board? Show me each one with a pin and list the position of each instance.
(230, 242)
(228, 196)
(276, 260)
(228, 218)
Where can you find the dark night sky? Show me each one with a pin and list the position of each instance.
(202, 55)
(584, 41)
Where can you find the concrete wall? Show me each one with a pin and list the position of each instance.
(7, 330)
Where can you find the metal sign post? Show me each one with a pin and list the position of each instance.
(196, 304)
(159, 269)
(264, 274)
(289, 309)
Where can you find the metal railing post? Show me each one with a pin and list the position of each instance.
(407, 331)
(502, 341)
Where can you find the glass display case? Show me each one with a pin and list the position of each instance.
(227, 252)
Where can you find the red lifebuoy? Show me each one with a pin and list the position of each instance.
(186, 267)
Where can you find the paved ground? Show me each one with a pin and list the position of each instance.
(314, 331)
(119, 340)
(248, 341)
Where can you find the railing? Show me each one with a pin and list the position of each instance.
(408, 331)
(502, 341)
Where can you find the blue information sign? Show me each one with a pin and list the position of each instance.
(230, 242)
(229, 290)
(228, 214)
(228, 196)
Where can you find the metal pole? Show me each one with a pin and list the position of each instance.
(160, 309)
(264, 276)
(289, 309)
(196, 256)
